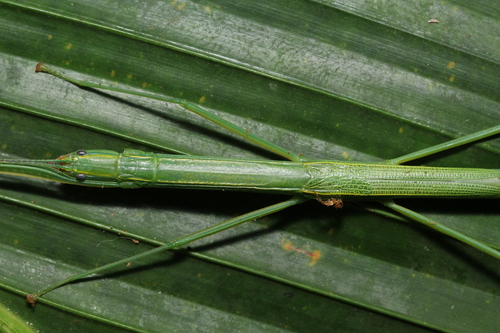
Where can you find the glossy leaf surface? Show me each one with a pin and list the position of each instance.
(327, 79)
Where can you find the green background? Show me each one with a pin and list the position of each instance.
(343, 80)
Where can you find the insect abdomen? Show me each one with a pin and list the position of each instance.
(360, 179)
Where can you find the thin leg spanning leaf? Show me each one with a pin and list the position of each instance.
(32, 298)
(446, 145)
(442, 229)
(41, 67)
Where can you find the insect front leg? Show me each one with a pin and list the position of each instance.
(32, 298)
(41, 67)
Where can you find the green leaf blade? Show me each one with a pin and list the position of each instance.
(324, 79)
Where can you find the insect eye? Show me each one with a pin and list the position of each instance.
(80, 176)
(81, 152)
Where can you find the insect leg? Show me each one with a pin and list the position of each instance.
(446, 145)
(32, 298)
(41, 67)
(443, 229)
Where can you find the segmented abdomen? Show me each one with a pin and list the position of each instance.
(360, 179)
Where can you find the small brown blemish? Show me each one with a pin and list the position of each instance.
(335, 202)
(39, 67)
(135, 241)
(314, 255)
(31, 299)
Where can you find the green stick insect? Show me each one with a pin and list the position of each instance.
(328, 182)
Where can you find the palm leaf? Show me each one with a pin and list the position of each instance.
(330, 80)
